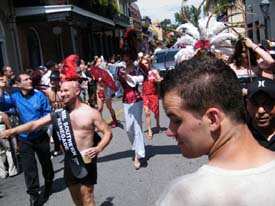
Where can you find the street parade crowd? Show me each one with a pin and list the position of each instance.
(219, 105)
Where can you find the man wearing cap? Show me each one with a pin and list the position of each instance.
(53, 94)
(260, 107)
(50, 65)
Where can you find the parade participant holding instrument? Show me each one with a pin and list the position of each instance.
(75, 128)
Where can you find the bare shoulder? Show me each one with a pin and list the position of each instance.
(87, 110)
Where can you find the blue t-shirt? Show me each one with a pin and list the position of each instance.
(31, 107)
(6, 103)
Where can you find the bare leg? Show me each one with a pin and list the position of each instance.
(100, 103)
(157, 121)
(148, 122)
(82, 195)
(110, 108)
(137, 163)
(75, 194)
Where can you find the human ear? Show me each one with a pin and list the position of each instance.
(214, 117)
(77, 91)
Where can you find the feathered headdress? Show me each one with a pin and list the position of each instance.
(210, 34)
(130, 46)
(69, 68)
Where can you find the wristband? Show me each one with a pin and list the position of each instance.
(255, 48)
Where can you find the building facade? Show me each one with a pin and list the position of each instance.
(260, 23)
(34, 32)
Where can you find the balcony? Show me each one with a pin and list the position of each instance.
(83, 4)
(122, 20)
(137, 24)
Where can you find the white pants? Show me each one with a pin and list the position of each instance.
(133, 122)
(6, 155)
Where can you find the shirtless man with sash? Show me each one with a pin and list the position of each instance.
(75, 129)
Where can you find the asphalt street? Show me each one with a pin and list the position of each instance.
(119, 184)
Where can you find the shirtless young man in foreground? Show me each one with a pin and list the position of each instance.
(84, 119)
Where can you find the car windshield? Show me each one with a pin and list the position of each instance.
(165, 56)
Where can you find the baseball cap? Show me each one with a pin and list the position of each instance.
(55, 75)
(50, 64)
(41, 67)
(261, 84)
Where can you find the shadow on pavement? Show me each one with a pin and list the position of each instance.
(155, 130)
(58, 170)
(107, 202)
(150, 152)
(58, 185)
(119, 124)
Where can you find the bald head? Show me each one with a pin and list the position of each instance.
(70, 92)
(71, 84)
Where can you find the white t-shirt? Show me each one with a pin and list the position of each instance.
(219, 187)
(45, 80)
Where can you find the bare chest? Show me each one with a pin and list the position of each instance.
(82, 122)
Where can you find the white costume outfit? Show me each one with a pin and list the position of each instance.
(133, 107)
(219, 187)
(133, 122)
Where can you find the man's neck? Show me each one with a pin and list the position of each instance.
(236, 148)
(73, 106)
(26, 92)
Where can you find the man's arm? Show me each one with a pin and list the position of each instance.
(6, 120)
(103, 127)
(28, 127)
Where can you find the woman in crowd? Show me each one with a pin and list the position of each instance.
(130, 78)
(150, 95)
(104, 94)
(257, 66)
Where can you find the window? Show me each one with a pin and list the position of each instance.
(34, 48)
(3, 52)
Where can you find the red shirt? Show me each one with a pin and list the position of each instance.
(149, 85)
(131, 94)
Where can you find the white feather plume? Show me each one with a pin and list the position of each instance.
(190, 29)
(222, 37)
(184, 54)
(186, 40)
(210, 30)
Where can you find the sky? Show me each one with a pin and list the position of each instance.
(162, 9)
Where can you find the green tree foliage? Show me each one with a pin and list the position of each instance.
(186, 14)
(105, 7)
(168, 27)
(192, 13)
(165, 23)
(216, 5)
(179, 17)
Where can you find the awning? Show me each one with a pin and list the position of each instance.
(55, 9)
